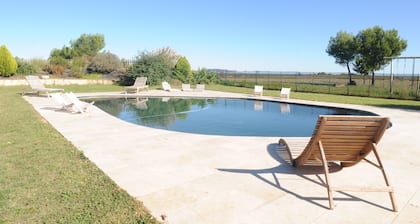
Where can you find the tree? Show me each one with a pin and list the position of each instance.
(88, 44)
(375, 45)
(182, 70)
(153, 66)
(343, 48)
(168, 54)
(8, 64)
(359, 66)
(104, 63)
(57, 63)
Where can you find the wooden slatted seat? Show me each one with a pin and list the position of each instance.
(139, 84)
(346, 140)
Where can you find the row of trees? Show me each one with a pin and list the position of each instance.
(368, 51)
(84, 56)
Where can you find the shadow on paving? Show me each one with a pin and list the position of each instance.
(283, 157)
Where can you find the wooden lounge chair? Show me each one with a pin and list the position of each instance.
(37, 86)
(139, 84)
(285, 93)
(258, 90)
(347, 140)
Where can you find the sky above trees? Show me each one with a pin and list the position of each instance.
(265, 35)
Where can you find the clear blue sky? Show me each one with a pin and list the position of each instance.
(265, 35)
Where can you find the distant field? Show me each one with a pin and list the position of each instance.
(404, 87)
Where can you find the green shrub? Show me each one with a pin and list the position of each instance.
(24, 67)
(78, 66)
(204, 76)
(153, 66)
(104, 63)
(182, 70)
(57, 65)
(8, 64)
(38, 64)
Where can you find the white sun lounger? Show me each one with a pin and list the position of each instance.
(200, 87)
(78, 106)
(285, 93)
(186, 87)
(64, 102)
(167, 87)
(258, 90)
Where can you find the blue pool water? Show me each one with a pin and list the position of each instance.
(232, 117)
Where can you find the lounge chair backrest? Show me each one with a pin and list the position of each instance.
(258, 90)
(285, 92)
(185, 87)
(140, 81)
(78, 105)
(346, 139)
(34, 82)
(60, 99)
(166, 86)
(200, 87)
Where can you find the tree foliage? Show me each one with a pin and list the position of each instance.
(369, 49)
(79, 65)
(87, 44)
(376, 44)
(168, 54)
(8, 64)
(182, 70)
(343, 48)
(80, 54)
(154, 66)
(24, 67)
(204, 76)
(104, 63)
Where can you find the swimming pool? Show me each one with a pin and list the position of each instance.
(222, 116)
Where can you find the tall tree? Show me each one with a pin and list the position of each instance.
(343, 48)
(375, 45)
(8, 64)
(359, 66)
(183, 71)
(88, 44)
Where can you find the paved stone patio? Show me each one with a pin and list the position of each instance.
(193, 178)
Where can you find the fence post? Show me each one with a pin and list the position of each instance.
(418, 87)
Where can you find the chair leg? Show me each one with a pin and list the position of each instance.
(391, 193)
(327, 175)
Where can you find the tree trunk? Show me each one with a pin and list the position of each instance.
(348, 69)
(373, 78)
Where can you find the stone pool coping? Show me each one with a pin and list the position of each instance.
(193, 178)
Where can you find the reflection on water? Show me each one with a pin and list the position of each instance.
(238, 117)
(152, 112)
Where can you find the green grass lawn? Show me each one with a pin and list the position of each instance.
(391, 103)
(45, 179)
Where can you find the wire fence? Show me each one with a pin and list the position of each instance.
(403, 86)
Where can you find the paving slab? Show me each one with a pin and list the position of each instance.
(193, 178)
